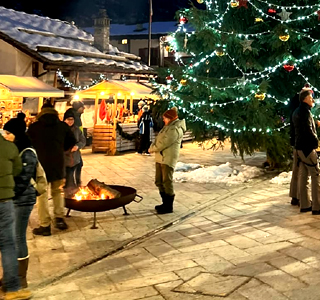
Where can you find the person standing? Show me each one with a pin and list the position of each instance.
(51, 137)
(73, 155)
(306, 143)
(10, 166)
(25, 193)
(166, 148)
(145, 124)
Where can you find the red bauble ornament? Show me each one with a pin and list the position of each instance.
(288, 68)
(169, 78)
(243, 3)
(272, 11)
(318, 12)
(183, 20)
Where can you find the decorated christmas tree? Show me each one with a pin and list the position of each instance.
(239, 67)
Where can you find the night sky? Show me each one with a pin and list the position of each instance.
(82, 12)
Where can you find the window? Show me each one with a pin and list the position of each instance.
(124, 42)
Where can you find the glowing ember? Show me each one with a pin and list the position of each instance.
(85, 193)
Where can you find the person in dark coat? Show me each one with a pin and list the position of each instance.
(25, 193)
(78, 107)
(73, 156)
(306, 143)
(51, 138)
(145, 123)
(10, 166)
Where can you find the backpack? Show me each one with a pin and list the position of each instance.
(40, 181)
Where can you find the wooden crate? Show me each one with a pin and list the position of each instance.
(103, 139)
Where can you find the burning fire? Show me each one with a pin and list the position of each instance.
(85, 193)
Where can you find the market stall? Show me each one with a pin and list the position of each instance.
(13, 91)
(112, 115)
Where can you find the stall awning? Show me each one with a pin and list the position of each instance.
(20, 86)
(119, 88)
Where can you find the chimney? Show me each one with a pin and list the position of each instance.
(102, 31)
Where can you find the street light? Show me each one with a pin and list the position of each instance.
(149, 39)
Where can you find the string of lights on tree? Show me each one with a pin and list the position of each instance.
(289, 64)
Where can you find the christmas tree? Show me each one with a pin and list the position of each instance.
(240, 66)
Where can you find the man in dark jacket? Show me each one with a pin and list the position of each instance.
(306, 143)
(51, 137)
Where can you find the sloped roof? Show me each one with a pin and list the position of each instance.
(54, 41)
(117, 87)
(20, 86)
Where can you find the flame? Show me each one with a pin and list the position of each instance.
(103, 196)
(84, 193)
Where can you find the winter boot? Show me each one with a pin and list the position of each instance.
(45, 231)
(167, 208)
(23, 268)
(60, 224)
(18, 295)
(163, 196)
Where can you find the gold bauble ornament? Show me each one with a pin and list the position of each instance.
(234, 4)
(284, 38)
(220, 53)
(167, 48)
(200, 1)
(257, 20)
(183, 82)
(260, 96)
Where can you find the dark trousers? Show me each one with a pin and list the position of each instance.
(78, 172)
(8, 247)
(71, 177)
(294, 184)
(144, 143)
(22, 214)
(164, 179)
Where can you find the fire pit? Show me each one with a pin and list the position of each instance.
(95, 197)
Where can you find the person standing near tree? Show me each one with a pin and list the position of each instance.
(306, 143)
(51, 138)
(145, 124)
(166, 148)
(10, 166)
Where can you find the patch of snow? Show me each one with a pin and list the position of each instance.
(182, 167)
(282, 178)
(225, 173)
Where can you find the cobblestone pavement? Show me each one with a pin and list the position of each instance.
(237, 242)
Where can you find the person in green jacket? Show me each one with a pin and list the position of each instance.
(166, 148)
(10, 166)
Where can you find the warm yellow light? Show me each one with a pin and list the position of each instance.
(119, 94)
(76, 97)
(124, 42)
(102, 93)
(132, 93)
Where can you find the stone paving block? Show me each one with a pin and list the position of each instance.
(242, 242)
(202, 246)
(255, 234)
(212, 285)
(268, 248)
(68, 296)
(164, 268)
(188, 273)
(213, 263)
(262, 292)
(281, 281)
(299, 253)
(309, 293)
(57, 289)
(249, 270)
(162, 250)
(139, 293)
(228, 252)
(147, 281)
(311, 278)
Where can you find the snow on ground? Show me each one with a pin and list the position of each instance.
(282, 178)
(225, 173)
(182, 167)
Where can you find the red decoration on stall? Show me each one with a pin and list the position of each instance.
(243, 3)
(272, 11)
(102, 110)
(183, 20)
(288, 68)
(318, 12)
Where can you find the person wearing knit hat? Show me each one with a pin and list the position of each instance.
(51, 137)
(145, 124)
(166, 148)
(25, 193)
(73, 155)
(78, 107)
